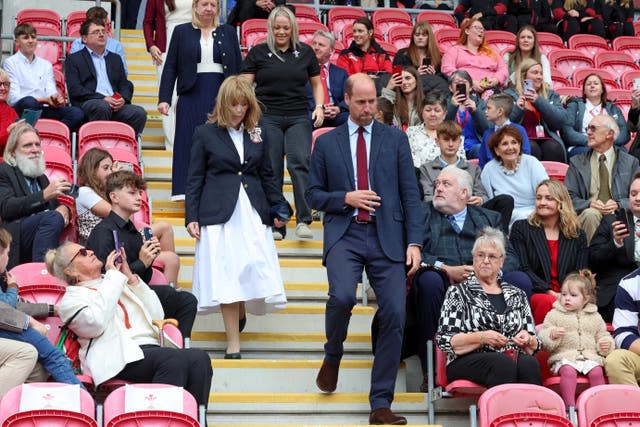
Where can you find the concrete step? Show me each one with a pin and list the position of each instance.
(240, 376)
(317, 420)
(186, 245)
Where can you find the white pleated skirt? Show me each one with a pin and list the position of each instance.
(238, 261)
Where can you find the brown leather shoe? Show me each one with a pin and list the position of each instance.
(385, 416)
(327, 379)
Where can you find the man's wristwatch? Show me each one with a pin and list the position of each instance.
(320, 106)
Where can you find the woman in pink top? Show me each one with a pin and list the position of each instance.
(472, 54)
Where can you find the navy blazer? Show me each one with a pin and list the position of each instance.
(80, 75)
(337, 78)
(181, 61)
(216, 174)
(399, 219)
(530, 243)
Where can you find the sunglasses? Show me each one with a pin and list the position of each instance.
(82, 252)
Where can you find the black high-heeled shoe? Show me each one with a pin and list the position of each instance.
(234, 356)
(242, 323)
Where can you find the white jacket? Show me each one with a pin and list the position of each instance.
(106, 343)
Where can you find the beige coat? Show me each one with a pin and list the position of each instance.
(582, 331)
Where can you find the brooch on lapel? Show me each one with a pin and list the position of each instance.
(269, 54)
(254, 134)
(296, 53)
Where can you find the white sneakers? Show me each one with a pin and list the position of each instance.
(303, 231)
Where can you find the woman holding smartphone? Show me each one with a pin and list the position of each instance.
(422, 53)
(230, 165)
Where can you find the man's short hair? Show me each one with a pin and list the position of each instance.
(25, 29)
(326, 35)
(502, 100)
(464, 178)
(119, 180)
(97, 12)
(84, 28)
(5, 238)
(610, 123)
(448, 129)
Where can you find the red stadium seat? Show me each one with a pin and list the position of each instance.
(107, 135)
(57, 163)
(636, 27)
(567, 61)
(400, 36)
(628, 45)
(250, 30)
(142, 218)
(500, 41)
(75, 20)
(49, 49)
(385, 19)
(61, 84)
(447, 37)
(615, 62)
(622, 98)
(306, 13)
(316, 133)
(340, 16)
(389, 48)
(339, 47)
(589, 44)
(580, 75)
(40, 19)
(54, 133)
(306, 30)
(609, 405)
(569, 91)
(627, 78)
(558, 79)
(437, 20)
(555, 170)
(549, 42)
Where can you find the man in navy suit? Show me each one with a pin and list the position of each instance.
(336, 110)
(362, 177)
(97, 81)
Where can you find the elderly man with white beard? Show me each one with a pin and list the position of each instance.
(29, 208)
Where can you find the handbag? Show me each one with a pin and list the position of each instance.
(68, 344)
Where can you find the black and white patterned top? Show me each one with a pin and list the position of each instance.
(467, 308)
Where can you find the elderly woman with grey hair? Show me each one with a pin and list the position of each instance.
(486, 327)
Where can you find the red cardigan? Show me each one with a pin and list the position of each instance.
(154, 25)
(7, 116)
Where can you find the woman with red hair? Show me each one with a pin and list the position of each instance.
(472, 54)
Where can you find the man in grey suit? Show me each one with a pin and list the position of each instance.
(592, 198)
(362, 177)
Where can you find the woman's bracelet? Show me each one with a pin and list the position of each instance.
(481, 338)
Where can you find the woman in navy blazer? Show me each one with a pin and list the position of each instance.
(232, 201)
(550, 245)
(201, 55)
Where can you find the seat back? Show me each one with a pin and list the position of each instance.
(54, 133)
(74, 21)
(447, 37)
(107, 135)
(61, 84)
(339, 16)
(558, 80)
(589, 44)
(400, 36)
(34, 273)
(389, 48)
(250, 30)
(609, 405)
(45, 401)
(567, 61)
(306, 13)
(524, 403)
(307, 29)
(57, 163)
(500, 41)
(627, 78)
(339, 47)
(555, 170)
(569, 91)
(152, 413)
(40, 19)
(143, 216)
(549, 42)
(316, 133)
(437, 20)
(49, 49)
(629, 45)
(579, 76)
(385, 19)
(615, 62)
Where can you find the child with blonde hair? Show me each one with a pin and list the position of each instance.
(575, 335)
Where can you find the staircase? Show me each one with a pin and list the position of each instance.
(274, 383)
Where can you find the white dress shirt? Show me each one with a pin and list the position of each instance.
(33, 78)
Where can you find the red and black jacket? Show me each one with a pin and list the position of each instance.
(468, 8)
(354, 60)
(559, 12)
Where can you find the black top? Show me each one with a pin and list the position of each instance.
(498, 303)
(281, 85)
(101, 243)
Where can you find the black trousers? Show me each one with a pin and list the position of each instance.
(189, 368)
(503, 204)
(490, 369)
(179, 305)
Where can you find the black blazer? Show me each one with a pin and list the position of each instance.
(215, 176)
(181, 61)
(609, 263)
(531, 246)
(80, 75)
(17, 202)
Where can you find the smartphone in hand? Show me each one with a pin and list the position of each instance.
(117, 246)
(625, 217)
(426, 62)
(397, 69)
(147, 233)
(461, 89)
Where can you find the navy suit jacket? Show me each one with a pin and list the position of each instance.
(399, 218)
(80, 75)
(181, 61)
(337, 78)
(216, 174)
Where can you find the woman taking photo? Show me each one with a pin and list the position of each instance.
(511, 172)
(527, 47)
(550, 245)
(473, 55)
(486, 327)
(364, 54)
(202, 53)
(160, 18)
(539, 110)
(92, 206)
(235, 231)
(112, 315)
(404, 90)
(581, 111)
(281, 68)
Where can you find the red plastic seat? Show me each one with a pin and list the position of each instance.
(400, 36)
(627, 78)
(519, 405)
(338, 47)
(34, 273)
(45, 405)
(629, 45)
(143, 216)
(316, 133)
(549, 42)
(40, 19)
(558, 79)
(555, 170)
(306, 30)
(250, 30)
(347, 35)
(609, 405)
(447, 37)
(615, 62)
(153, 411)
(500, 41)
(569, 91)
(49, 49)
(389, 48)
(306, 13)
(622, 98)
(385, 19)
(107, 134)
(74, 21)
(437, 20)
(339, 16)
(589, 44)
(57, 163)
(61, 84)
(567, 61)
(54, 133)
(580, 75)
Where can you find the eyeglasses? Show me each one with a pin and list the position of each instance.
(5, 84)
(481, 256)
(477, 27)
(98, 32)
(82, 252)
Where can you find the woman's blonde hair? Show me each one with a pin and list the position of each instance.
(57, 260)
(585, 281)
(271, 22)
(569, 223)
(194, 16)
(572, 4)
(433, 53)
(525, 66)
(233, 91)
(484, 47)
